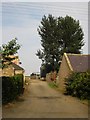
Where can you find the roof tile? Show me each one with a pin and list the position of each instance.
(79, 63)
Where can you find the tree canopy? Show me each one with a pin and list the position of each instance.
(59, 35)
(11, 48)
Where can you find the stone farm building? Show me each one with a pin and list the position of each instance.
(12, 69)
(72, 63)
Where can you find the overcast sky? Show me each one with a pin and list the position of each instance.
(21, 20)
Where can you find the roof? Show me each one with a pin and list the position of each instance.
(79, 62)
(17, 67)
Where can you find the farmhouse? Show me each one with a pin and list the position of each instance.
(72, 63)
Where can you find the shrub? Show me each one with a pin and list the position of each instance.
(11, 88)
(18, 81)
(78, 85)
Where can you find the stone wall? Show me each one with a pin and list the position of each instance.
(51, 76)
(19, 72)
(9, 71)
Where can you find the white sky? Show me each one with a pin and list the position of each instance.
(21, 20)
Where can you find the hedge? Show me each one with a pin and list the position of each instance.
(78, 85)
(11, 88)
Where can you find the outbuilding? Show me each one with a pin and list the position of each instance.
(72, 63)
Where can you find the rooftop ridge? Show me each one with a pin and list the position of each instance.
(78, 54)
(17, 66)
(68, 61)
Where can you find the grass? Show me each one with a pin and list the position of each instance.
(52, 85)
(86, 102)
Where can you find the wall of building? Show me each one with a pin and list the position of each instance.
(0, 71)
(63, 73)
(9, 71)
(19, 72)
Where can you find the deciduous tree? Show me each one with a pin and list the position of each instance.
(59, 35)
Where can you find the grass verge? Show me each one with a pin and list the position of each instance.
(53, 85)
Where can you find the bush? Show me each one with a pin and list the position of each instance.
(11, 88)
(18, 81)
(78, 85)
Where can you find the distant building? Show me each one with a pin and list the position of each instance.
(35, 75)
(72, 63)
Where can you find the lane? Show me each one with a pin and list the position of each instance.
(41, 101)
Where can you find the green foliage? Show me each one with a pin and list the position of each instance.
(45, 68)
(8, 49)
(59, 35)
(78, 85)
(11, 88)
(52, 85)
(71, 35)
